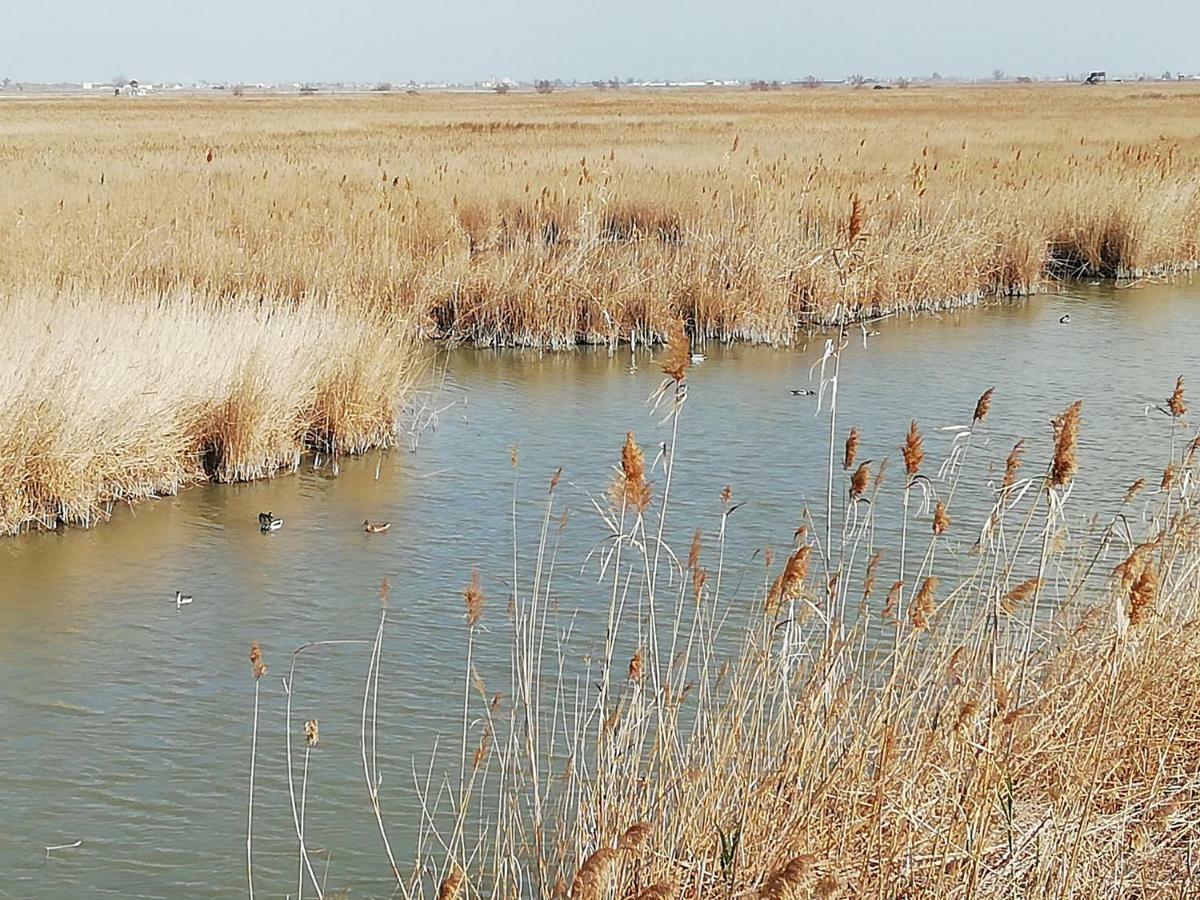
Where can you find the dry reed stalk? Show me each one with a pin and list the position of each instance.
(1066, 436)
(851, 449)
(257, 669)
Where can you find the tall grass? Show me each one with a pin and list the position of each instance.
(547, 220)
(1016, 724)
(108, 400)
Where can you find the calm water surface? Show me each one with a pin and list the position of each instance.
(125, 723)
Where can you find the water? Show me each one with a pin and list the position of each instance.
(125, 723)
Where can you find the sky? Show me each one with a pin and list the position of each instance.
(474, 40)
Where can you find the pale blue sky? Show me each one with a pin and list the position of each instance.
(368, 40)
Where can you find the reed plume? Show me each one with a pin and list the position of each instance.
(635, 666)
(913, 450)
(1012, 464)
(851, 449)
(635, 836)
(451, 884)
(678, 355)
(257, 667)
(860, 479)
(891, 600)
(1019, 594)
(1168, 477)
(473, 599)
(594, 877)
(630, 489)
(941, 520)
(869, 578)
(1066, 436)
(922, 606)
(312, 732)
(1133, 490)
(1175, 402)
(983, 405)
(791, 881)
(662, 890)
(790, 582)
(1142, 594)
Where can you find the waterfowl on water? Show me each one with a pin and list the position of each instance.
(803, 392)
(375, 527)
(268, 522)
(698, 358)
(181, 600)
(1064, 320)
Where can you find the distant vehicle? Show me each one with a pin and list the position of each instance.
(1095, 78)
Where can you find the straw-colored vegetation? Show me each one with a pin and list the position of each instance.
(877, 721)
(105, 401)
(586, 216)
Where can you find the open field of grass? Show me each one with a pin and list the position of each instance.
(590, 216)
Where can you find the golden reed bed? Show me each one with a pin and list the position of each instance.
(590, 216)
(136, 233)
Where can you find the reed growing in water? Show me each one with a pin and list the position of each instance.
(1014, 732)
(106, 401)
(547, 220)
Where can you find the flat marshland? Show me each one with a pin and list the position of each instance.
(540, 220)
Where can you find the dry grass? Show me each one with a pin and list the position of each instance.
(108, 400)
(578, 216)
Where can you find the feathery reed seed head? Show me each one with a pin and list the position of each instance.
(941, 520)
(678, 356)
(1066, 437)
(257, 667)
(312, 732)
(451, 884)
(851, 449)
(913, 450)
(983, 405)
(1175, 403)
(473, 599)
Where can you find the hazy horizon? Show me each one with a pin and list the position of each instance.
(368, 40)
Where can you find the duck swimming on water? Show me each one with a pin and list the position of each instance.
(803, 392)
(268, 522)
(1064, 320)
(181, 600)
(375, 527)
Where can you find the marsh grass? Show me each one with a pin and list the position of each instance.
(548, 220)
(107, 401)
(1021, 728)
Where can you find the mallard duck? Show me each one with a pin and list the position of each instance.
(181, 599)
(1064, 320)
(268, 522)
(803, 392)
(698, 358)
(375, 527)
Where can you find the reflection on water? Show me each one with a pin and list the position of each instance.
(126, 722)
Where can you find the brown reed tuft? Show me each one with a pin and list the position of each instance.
(678, 355)
(635, 666)
(1019, 594)
(893, 597)
(1168, 477)
(630, 489)
(726, 495)
(860, 479)
(473, 599)
(257, 667)
(851, 449)
(1066, 436)
(1175, 402)
(790, 582)
(1142, 594)
(312, 732)
(941, 520)
(384, 592)
(922, 606)
(595, 875)
(854, 226)
(791, 880)
(966, 713)
(869, 578)
(451, 884)
(1013, 464)
(1133, 490)
(694, 551)
(913, 450)
(481, 751)
(983, 405)
(662, 890)
(635, 836)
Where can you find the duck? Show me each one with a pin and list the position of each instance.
(803, 392)
(698, 358)
(375, 527)
(1064, 320)
(268, 522)
(181, 600)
